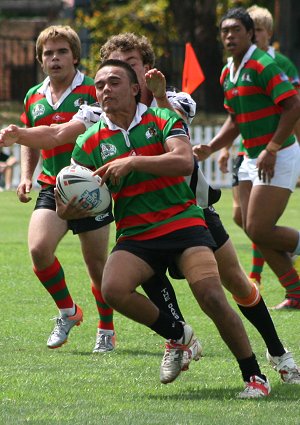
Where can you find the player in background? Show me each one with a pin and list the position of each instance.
(263, 25)
(251, 304)
(264, 107)
(55, 101)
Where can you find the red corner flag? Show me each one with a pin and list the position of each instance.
(192, 73)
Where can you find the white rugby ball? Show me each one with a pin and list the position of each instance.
(79, 181)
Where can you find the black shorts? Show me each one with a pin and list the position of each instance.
(236, 163)
(46, 201)
(160, 253)
(217, 231)
(215, 226)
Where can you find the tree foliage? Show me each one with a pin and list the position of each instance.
(144, 17)
(168, 24)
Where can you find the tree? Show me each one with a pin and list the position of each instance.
(169, 24)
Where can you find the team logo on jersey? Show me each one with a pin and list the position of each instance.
(226, 85)
(283, 77)
(79, 102)
(102, 217)
(38, 110)
(58, 118)
(246, 77)
(107, 150)
(235, 92)
(151, 132)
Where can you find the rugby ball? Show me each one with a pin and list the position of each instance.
(79, 181)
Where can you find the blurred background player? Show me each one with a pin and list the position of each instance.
(270, 169)
(7, 163)
(263, 25)
(55, 101)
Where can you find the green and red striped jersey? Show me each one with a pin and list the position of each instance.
(253, 97)
(38, 111)
(146, 206)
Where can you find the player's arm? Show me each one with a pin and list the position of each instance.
(225, 137)
(297, 125)
(176, 161)
(42, 137)
(29, 160)
(156, 83)
(288, 118)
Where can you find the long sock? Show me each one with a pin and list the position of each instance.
(104, 310)
(260, 318)
(161, 292)
(53, 280)
(254, 309)
(257, 264)
(290, 281)
(167, 327)
(249, 367)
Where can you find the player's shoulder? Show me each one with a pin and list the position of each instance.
(88, 80)
(33, 90)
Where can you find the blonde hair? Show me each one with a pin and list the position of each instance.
(56, 32)
(261, 16)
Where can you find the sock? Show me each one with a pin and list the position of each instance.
(297, 249)
(257, 264)
(249, 367)
(161, 292)
(104, 310)
(167, 327)
(260, 318)
(290, 281)
(53, 280)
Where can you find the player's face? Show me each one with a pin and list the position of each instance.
(115, 92)
(262, 37)
(134, 59)
(235, 38)
(57, 59)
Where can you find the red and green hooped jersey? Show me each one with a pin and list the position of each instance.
(254, 100)
(288, 67)
(39, 112)
(146, 206)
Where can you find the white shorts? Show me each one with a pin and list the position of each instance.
(286, 172)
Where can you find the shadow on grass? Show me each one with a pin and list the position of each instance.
(129, 352)
(278, 394)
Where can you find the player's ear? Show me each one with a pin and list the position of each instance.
(135, 88)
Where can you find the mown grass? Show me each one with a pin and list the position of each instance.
(71, 385)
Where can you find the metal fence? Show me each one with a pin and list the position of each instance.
(18, 68)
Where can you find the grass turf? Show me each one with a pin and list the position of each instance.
(71, 385)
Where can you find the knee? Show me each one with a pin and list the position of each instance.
(256, 234)
(112, 295)
(40, 254)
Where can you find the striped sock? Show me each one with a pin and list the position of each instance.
(290, 281)
(53, 280)
(257, 264)
(105, 312)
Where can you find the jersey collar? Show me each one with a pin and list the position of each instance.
(45, 89)
(234, 77)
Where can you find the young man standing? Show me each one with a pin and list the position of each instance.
(263, 27)
(55, 101)
(264, 107)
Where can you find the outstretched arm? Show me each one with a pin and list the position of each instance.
(225, 137)
(42, 137)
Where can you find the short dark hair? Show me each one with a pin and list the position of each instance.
(129, 70)
(242, 15)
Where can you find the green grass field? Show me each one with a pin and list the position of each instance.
(71, 385)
